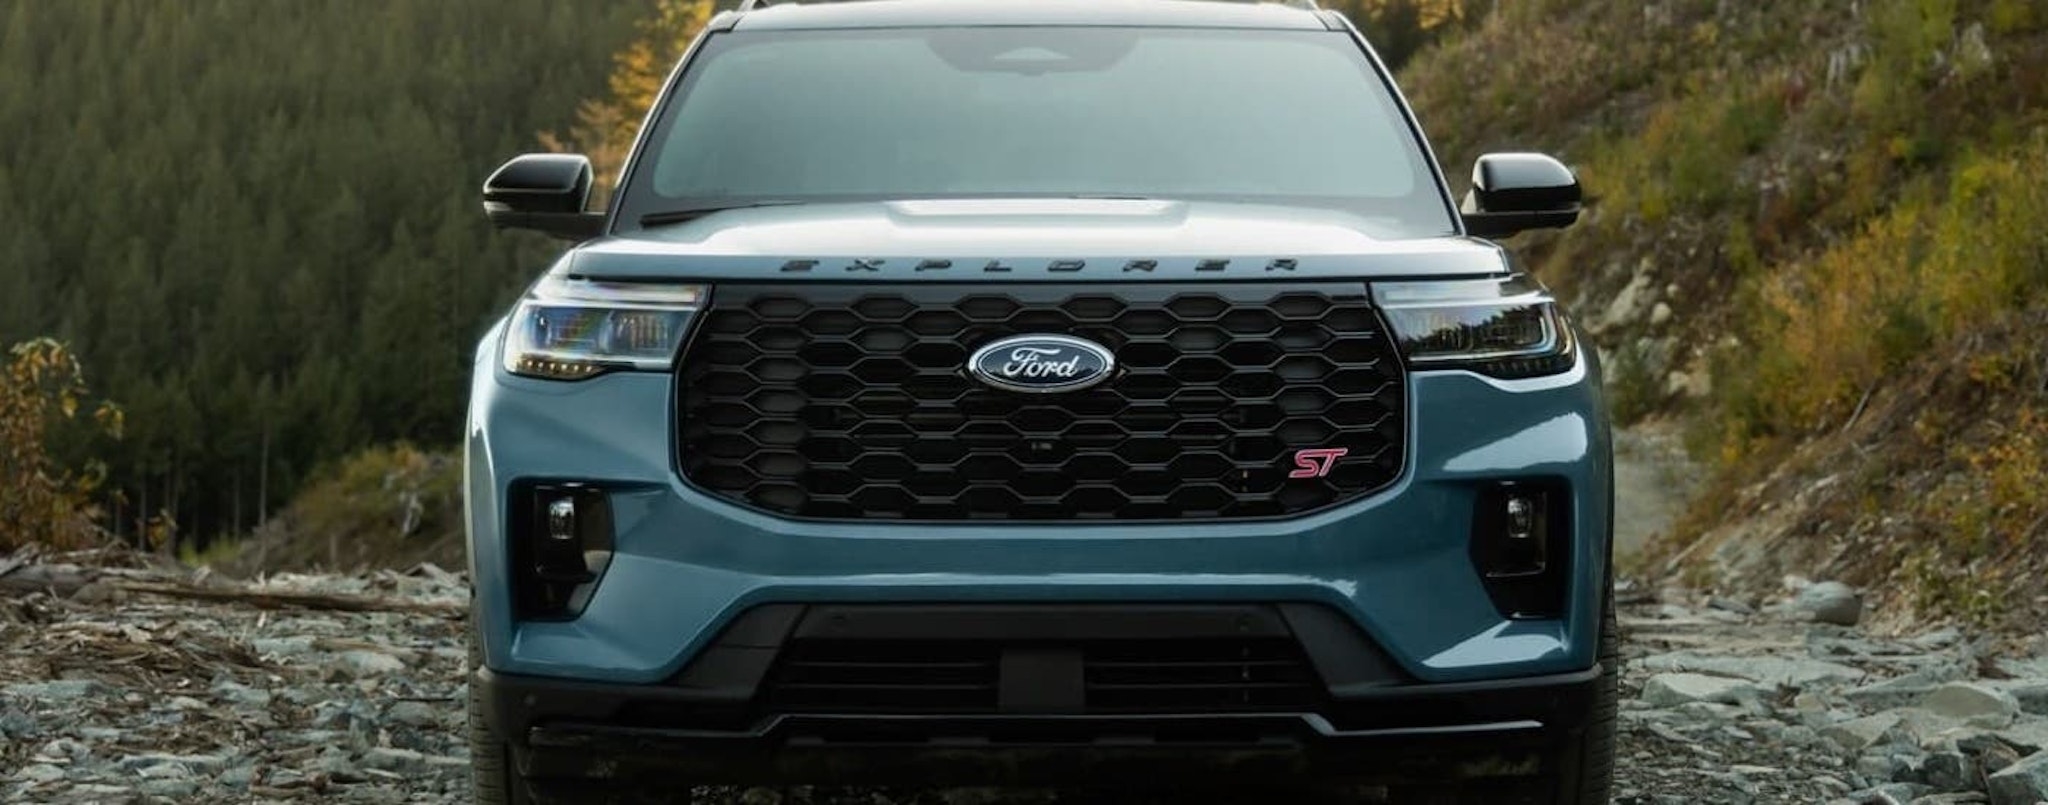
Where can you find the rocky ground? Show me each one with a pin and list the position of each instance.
(146, 685)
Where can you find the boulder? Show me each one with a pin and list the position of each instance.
(2022, 783)
(1674, 689)
(1830, 602)
(1972, 703)
(1859, 734)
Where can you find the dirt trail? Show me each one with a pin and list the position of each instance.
(1653, 481)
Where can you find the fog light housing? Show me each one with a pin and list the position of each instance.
(1521, 546)
(561, 545)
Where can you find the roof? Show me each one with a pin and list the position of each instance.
(941, 13)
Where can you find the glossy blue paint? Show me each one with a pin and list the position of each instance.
(686, 563)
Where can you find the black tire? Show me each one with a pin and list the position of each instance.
(1584, 766)
(492, 780)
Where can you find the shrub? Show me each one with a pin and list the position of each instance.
(42, 391)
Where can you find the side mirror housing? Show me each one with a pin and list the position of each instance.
(1512, 193)
(544, 192)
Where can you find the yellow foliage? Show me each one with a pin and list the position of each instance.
(42, 386)
(605, 127)
(1950, 254)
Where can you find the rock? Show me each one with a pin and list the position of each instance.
(1627, 304)
(2022, 783)
(1996, 757)
(1936, 640)
(1767, 670)
(1948, 772)
(1958, 798)
(1730, 605)
(283, 647)
(40, 773)
(362, 663)
(1830, 602)
(1695, 384)
(56, 690)
(2029, 736)
(1892, 693)
(1659, 314)
(1674, 689)
(414, 714)
(237, 777)
(242, 696)
(335, 764)
(1863, 733)
(1972, 703)
(199, 764)
(394, 760)
(2032, 694)
(1891, 794)
(169, 788)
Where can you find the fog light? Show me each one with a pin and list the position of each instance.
(561, 544)
(1521, 518)
(562, 520)
(1520, 546)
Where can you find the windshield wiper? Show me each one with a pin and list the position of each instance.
(666, 217)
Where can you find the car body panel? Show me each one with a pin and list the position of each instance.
(686, 562)
(942, 13)
(1060, 240)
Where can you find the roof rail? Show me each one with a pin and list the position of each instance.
(752, 5)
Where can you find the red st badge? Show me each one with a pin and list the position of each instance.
(1316, 462)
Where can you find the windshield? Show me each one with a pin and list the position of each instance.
(1279, 117)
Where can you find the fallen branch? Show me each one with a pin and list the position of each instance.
(279, 599)
(58, 580)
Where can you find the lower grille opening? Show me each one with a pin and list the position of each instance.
(827, 676)
(1115, 677)
(1198, 676)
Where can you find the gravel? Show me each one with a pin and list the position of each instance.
(126, 697)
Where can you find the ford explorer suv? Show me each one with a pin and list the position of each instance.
(1038, 393)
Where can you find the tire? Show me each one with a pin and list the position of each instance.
(1583, 768)
(491, 777)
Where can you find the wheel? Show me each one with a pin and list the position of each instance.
(491, 777)
(1583, 768)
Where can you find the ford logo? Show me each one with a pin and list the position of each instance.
(1042, 364)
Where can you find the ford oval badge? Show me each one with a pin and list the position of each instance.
(1042, 364)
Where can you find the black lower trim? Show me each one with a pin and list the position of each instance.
(720, 720)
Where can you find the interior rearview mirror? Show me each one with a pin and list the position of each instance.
(1516, 192)
(543, 192)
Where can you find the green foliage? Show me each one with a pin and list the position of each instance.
(258, 222)
(387, 506)
(42, 390)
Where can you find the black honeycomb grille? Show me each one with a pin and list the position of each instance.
(853, 402)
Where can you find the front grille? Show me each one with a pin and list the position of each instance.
(964, 677)
(853, 402)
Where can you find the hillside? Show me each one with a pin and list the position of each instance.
(1814, 241)
(257, 225)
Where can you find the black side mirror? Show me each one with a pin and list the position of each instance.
(1516, 192)
(544, 192)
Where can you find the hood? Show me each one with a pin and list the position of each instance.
(1061, 240)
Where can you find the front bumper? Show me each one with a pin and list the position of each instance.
(686, 565)
(722, 720)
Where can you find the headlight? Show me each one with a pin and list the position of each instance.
(569, 329)
(1499, 327)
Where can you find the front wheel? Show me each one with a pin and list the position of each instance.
(1583, 768)
(491, 777)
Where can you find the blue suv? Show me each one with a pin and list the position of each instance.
(1040, 392)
